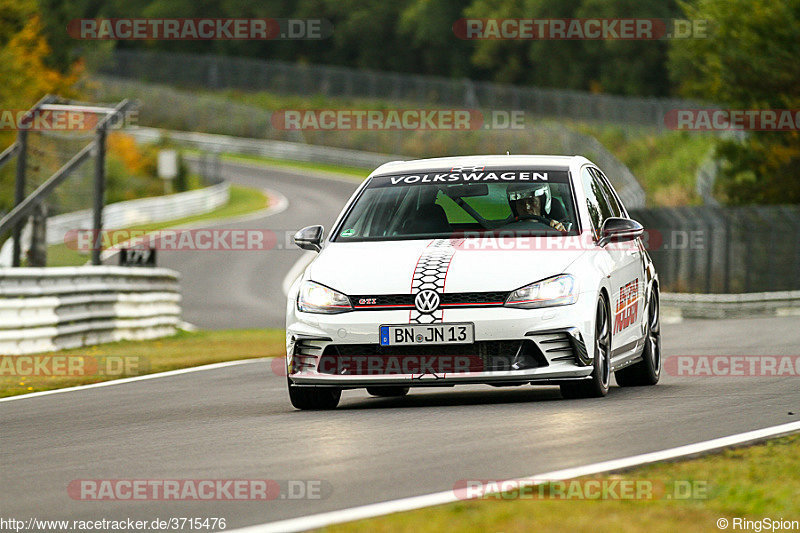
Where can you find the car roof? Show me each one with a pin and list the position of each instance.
(510, 161)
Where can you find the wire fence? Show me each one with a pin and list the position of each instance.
(47, 152)
(222, 72)
(170, 108)
(708, 249)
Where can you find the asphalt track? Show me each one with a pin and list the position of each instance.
(236, 422)
(242, 289)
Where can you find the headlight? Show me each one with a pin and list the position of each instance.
(316, 298)
(559, 290)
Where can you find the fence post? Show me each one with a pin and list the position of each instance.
(748, 263)
(99, 191)
(19, 193)
(726, 264)
(37, 254)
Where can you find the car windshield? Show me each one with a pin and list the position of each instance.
(442, 204)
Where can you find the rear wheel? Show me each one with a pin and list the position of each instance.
(387, 392)
(314, 398)
(597, 384)
(648, 370)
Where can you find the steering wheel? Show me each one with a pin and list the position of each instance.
(548, 222)
(543, 220)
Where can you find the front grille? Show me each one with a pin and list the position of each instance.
(477, 298)
(482, 356)
(453, 299)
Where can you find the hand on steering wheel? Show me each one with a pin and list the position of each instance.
(553, 223)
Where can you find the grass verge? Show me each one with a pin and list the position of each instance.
(116, 360)
(665, 163)
(753, 483)
(243, 200)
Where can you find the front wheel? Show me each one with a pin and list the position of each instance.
(596, 386)
(314, 398)
(648, 370)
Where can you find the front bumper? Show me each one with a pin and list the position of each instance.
(512, 346)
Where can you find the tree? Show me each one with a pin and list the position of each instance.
(633, 67)
(25, 73)
(749, 61)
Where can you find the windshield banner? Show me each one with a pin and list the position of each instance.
(461, 175)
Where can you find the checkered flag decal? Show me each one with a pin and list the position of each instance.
(430, 274)
(467, 169)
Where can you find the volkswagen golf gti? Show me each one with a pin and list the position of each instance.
(497, 270)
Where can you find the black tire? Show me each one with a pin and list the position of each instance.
(314, 398)
(648, 370)
(388, 392)
(596, 386)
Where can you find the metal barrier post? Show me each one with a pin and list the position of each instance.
(99, 191)
(19, 194)
(726, 263)
(37, 253)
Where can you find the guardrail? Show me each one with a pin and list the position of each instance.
(48, 309)
(178, 111)
(267, 148)
(626, 184)
(724, 250)
(780, 303)
(129, 213)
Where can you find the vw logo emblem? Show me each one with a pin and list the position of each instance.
(426, 301)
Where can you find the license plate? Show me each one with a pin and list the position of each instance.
(427, 334)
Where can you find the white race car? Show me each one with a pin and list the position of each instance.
(498, 270)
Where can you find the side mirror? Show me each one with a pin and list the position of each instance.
(310, 238)
(618, 229)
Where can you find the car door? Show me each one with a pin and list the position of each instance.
(605, 260)
(628, 280)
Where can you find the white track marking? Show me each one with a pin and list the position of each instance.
(108, 383)
(439, 498)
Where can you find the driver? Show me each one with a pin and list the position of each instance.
(533, 201)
